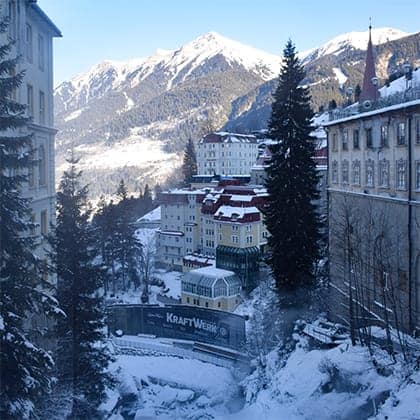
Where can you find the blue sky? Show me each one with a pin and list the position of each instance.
(94, 30)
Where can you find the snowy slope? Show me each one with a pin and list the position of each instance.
(356, 40)
(177, 64)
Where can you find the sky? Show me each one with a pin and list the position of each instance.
(95, 30)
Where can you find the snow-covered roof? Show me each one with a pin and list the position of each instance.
(152, 216)
(237, 197)
(225, 137)
(240, 212)
(374, 112)
(401, 93)
(213, 272)
(171, 232)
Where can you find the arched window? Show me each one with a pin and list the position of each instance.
(42, 166)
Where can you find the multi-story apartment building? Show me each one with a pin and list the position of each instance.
(226, 154)
(33, 32)
(374, 204)
(213, 222)
(180, 225)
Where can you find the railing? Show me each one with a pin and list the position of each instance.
(408, 95)
(125, 344)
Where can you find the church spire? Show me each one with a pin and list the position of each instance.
(370, 81)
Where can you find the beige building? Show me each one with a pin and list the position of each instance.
(374, 206)
(211, 288)
(196, 223)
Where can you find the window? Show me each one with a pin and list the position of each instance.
(384, 135)
(356, 172)
(41, 107)
(29, 44)
(418, 175)
(30, 100)
(401, 133)
(32, 229)
(369, 140)
(44, 223)
(384, 173)
(235, 239)
(12, 19)
(345, 172)
(334, 142)
(401, 174)
(356, 139)
(41, 58)
(370, 173)
(418, 131)
(334, 173)
(345, 140)
(42, 166)
(31, 173)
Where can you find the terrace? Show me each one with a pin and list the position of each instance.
(412, 93)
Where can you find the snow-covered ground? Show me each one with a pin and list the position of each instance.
(173, 388)
(324, 384)
(310, 383)
(340, 383)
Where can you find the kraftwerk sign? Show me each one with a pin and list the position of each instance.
(180, 321)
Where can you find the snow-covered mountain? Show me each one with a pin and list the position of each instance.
(174, 67)
(352, 40)
(118, 111)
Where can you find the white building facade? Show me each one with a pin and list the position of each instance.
(226, 154)
(33, 32)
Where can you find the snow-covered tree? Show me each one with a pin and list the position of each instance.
(189, 165)
(291, 215)
(83, 354)
(126, 248)
(25, 367)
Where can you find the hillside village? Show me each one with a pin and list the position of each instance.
(265, 263)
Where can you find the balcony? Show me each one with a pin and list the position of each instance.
(408, 95)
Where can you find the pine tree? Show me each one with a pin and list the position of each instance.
(189, 166)
(25, 367)
(291, 215)
(357, 93)
(122, 192)
(147, 199)
(83, 353)
(126, 248)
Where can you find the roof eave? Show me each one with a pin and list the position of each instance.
(56, 32)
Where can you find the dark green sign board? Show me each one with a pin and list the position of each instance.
(180, 321)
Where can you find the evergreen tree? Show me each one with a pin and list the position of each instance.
(82, 350)
(122, 192)
(357, 93)
(126, 248)
(189, 166)
(25, 367)
(332, 105)
(291, 215)
(147, 199)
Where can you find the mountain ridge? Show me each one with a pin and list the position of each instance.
(208, 83)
